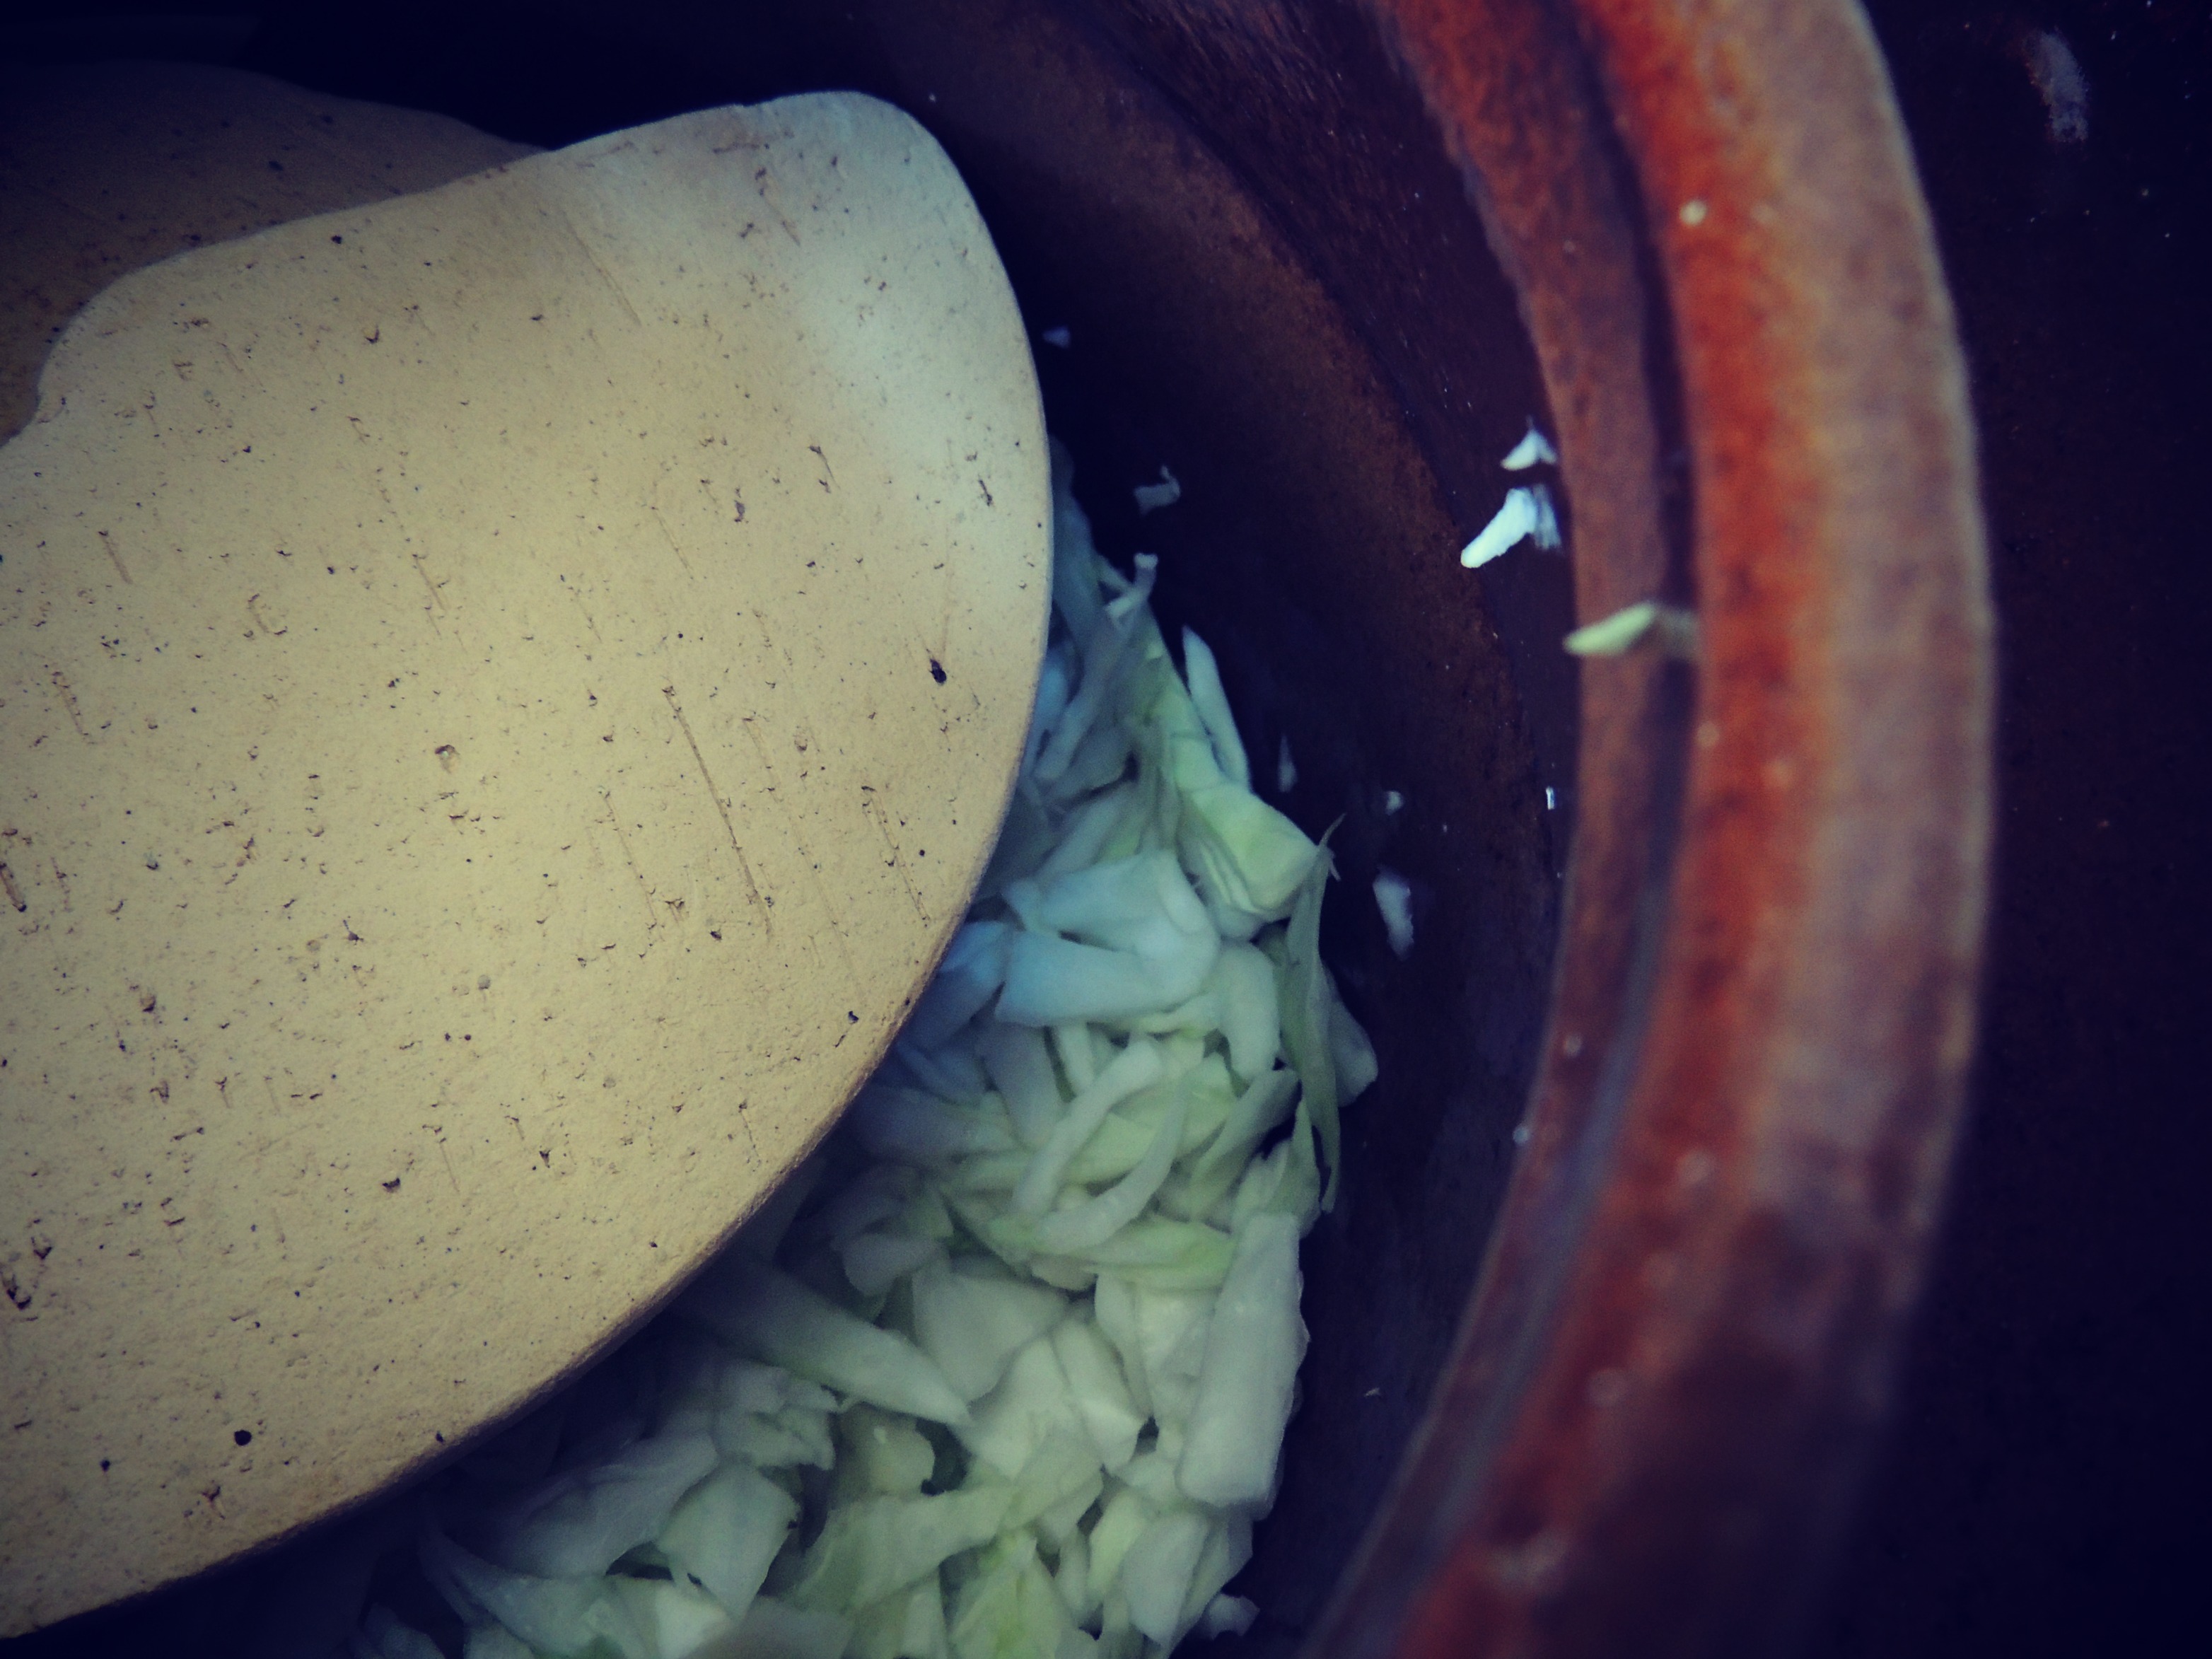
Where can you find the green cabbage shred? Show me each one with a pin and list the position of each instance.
(1004, 1372)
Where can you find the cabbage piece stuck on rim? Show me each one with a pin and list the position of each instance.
(1004, 1372)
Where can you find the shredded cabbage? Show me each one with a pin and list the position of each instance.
(1672, 627)
(1004, 1372)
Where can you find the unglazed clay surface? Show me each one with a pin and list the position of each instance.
(504, 694)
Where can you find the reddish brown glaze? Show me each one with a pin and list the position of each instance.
(1759, 1021)
(1649, 1433)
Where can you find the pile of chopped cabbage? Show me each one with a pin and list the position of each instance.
(1006, 1370)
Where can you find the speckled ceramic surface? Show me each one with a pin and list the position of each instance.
(504, 694)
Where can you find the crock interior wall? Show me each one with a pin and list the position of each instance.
(1314, 549)
(1325, 579)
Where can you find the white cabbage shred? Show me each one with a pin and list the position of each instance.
(1533, 449)
(1004, 1372)
(1394, 899)
(1153, 498)
(1527, 515)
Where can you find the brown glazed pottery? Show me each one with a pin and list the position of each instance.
(1604, 1323)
